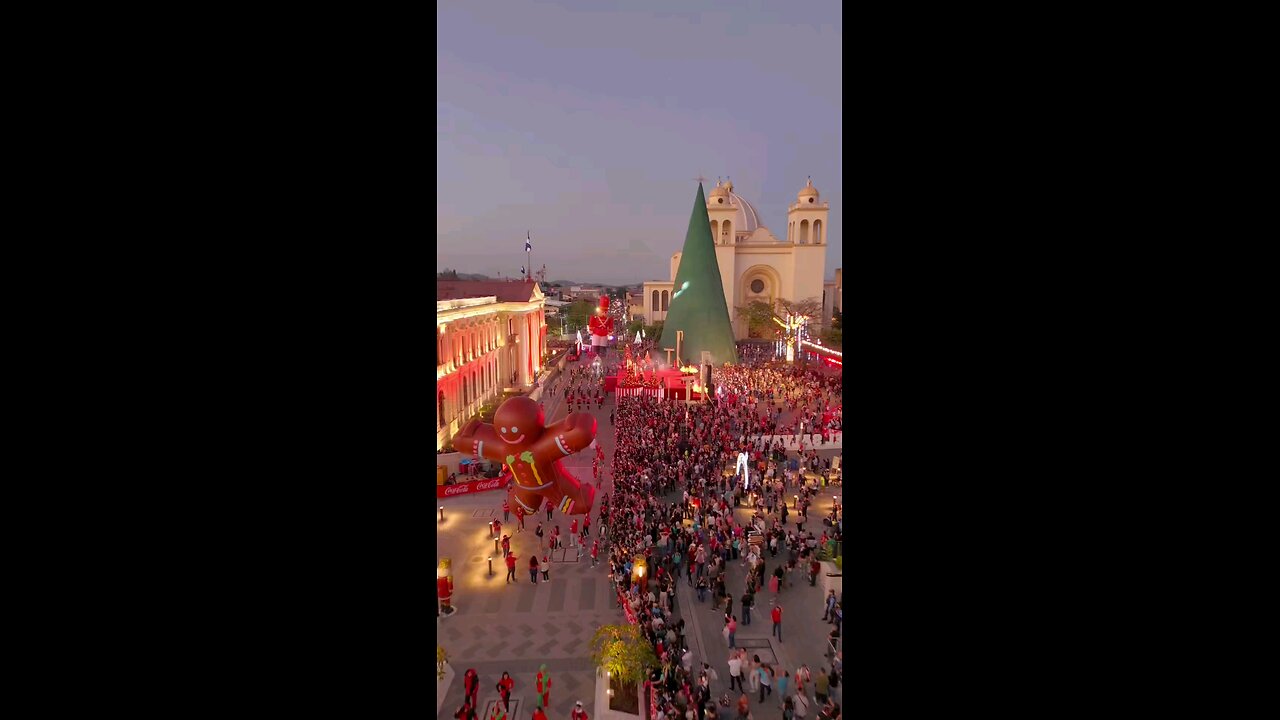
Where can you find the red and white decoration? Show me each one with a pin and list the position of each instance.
(475, 486)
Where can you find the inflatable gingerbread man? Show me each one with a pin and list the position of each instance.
(532, 453)
(601, 326)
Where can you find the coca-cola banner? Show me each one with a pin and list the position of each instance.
(475, 486)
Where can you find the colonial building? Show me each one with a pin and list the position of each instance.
(755, 264)
(490, 336)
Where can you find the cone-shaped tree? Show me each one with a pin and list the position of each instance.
(697, 302)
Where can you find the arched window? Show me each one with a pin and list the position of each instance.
(655, 301)
(440, 418)
(817, 232)
(804, 232)
(666, 298)
(466, 400)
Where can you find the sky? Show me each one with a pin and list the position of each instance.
(588, 122)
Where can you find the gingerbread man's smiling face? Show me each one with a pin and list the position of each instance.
(519, 422)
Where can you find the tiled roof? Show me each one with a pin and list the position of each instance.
(515, 291)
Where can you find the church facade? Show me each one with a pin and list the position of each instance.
(757, 265)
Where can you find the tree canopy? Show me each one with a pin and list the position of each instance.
(760, 315)
(623, 651)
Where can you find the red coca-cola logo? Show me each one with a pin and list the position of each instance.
(473, 486)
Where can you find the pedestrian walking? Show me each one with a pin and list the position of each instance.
(801, 705)
(505, 686)
(546, 568)
(766, 680)
(733, 629)
(519, 519)
(595, 552)
(735, 673)
(511, 568)
(539, 533)
(573, 533)
(821, 685)
(506, 511)
(549, 509)
(506, 545)
(777, 621)
(471, 685)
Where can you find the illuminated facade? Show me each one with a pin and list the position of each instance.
(490, 336)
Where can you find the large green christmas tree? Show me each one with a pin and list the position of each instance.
(697, 301)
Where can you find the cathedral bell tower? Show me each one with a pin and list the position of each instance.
(722, 214)
(807, 219)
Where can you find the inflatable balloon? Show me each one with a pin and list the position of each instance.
(532, 453)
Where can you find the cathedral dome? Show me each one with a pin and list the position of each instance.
(747, 219)
(807, 192)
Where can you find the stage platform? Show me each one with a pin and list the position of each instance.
(671, 385)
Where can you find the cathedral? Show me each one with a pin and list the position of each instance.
(757, 265)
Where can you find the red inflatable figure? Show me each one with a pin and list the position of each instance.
(532, 453)
(601, 325)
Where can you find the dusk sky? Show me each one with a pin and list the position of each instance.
(588, 122)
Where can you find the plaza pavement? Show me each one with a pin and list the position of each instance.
(515, 628)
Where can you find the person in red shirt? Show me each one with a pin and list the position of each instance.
(505, 686)
(506, 511)
(573, 533)
(519, 519)
(511, 568)
(595, 552)
(577, 714)
(777, 621)
(538, 714)
(506, 545)
(471, 683)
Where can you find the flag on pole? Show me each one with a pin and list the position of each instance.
(528, 242)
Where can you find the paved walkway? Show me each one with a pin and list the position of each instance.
(515, 628)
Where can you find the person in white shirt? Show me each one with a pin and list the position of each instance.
(735, 672)
(687, 660)
(800, 705)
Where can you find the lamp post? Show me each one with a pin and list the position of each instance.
(490, 566)
(638, 572)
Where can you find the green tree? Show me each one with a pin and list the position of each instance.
(837, 321)
(627, 656)
(579, 313)
(760, 315)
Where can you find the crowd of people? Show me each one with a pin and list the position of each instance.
(676, 482)
(691, 452)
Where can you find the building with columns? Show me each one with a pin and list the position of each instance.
(754, 263)
(490, 337)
